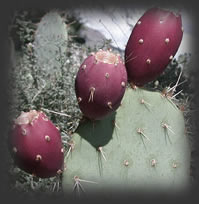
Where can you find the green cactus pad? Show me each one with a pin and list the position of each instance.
(50, 43)
(144, 148)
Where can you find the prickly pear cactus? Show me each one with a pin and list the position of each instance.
(153, 43)
(142, 146)
(100, 84)
(50, 42)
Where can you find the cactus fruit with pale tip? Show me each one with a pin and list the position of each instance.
(152, 44)
(142, 146)
(35, 144)
(100, 84)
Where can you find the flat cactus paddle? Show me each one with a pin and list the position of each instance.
(142, 147)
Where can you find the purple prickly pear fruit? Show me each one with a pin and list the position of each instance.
(153, 43)
(100, 84)
(36, 145)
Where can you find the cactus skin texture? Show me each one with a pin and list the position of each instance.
(51, 39)
(153, 43)
(141, 147)
(100, 84)
(35, 144)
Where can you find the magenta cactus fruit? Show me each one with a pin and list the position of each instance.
(36, 145)
(100, 84)
(153, 43)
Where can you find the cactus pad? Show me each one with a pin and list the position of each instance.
(142, 146)
(50, 42)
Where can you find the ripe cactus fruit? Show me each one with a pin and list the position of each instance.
(35, 145)
(152, 45)
(141, 146)
(100, 84)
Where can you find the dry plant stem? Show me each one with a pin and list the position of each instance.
(55, 112)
